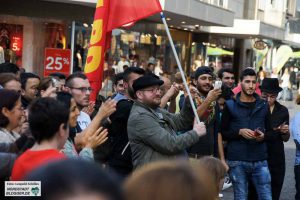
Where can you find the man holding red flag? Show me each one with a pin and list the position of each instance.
(111, 14)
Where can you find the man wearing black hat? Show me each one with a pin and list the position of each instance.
(152, 130)
(207, 112)
(279, 119)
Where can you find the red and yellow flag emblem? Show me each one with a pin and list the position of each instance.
(111, 14)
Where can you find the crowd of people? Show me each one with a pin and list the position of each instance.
(143, 142)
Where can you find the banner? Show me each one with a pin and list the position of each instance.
(283, 54)
(111, 14)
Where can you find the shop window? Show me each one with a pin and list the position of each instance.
(11, 43)
(55, 35)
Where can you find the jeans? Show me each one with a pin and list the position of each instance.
(297, 179)
(240, 172)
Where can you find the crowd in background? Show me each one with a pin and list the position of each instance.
(140, 140)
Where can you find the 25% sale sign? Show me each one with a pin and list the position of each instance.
(57, 60)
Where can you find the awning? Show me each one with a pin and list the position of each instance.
(296, 54)
(218, 52)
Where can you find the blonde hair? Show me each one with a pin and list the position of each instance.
(215, 167)
(170, 180)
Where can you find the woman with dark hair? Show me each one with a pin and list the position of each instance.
(73, 180)
(11, 113)
(92, 137)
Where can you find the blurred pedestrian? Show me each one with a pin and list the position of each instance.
(295, 130)
(216, 170)
(93, 137)
(10, 68)
(226, 75)
(62, 80)
(48, 120)
(74, 180)
(10, 115)
(79, 86)
(119, 156)
(29, 84)
(170, 181)
(48, 87)
(278, 116)
(10, 81)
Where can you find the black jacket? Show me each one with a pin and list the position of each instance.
(274, 138)
(119, 157)
(238, 115)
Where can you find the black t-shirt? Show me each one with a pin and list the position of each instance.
(250, 104)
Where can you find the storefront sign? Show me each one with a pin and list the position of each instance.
(11, 40)
(57, 60)
(260, 45)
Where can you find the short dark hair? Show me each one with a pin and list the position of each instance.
(221, 71)
(45, 117)
(69, 80)
(71, 177)
(9, 68)
(131, 70)
(117, 78)
(226, 92)
(247, 72)
(58, 75)
(25, 76)
(7, 77)
(65, 98)
(8, 100)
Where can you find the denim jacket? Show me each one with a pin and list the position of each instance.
(295, 130)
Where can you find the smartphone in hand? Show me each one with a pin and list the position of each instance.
(218, 85)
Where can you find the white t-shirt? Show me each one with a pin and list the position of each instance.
(120, 66)
(83, 120)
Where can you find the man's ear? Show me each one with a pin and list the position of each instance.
(63, 130)
(22, 92)
(138, 94)
(125, 84)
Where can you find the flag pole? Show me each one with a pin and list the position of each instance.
(179, 66)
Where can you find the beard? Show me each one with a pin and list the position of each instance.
(201, 89)
(248, 92)
(152, 104)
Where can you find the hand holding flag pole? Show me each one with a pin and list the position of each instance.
(179, 66)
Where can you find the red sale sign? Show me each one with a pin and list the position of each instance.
(57, 60)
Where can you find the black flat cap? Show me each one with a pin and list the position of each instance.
(146, 81)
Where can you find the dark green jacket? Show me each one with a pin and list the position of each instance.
(152, 133)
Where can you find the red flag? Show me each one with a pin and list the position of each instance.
(111, 14)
